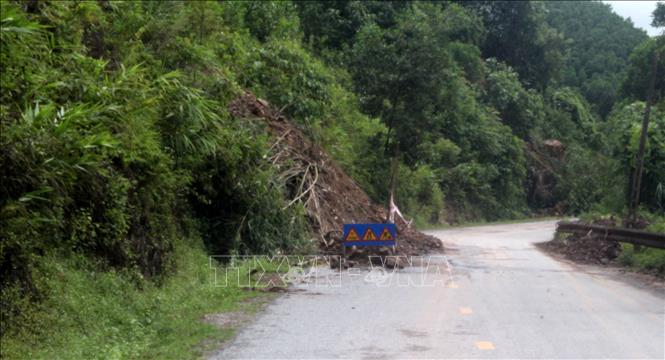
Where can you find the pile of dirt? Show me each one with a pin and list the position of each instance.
(589, 248)
(329, 195)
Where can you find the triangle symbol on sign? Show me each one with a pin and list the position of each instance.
(386, 235)
(369, 235)
(352, 235)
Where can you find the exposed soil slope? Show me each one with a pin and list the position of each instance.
(329, 195)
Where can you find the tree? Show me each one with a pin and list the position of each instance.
(638, 75)
(659, 15)
(405, 73)
(624, 129)
(518, 35)
(408, 76)
(600, 42)
(333, 24)
(519, 108)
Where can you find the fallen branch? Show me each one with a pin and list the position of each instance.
(279, 139)
(311, 186)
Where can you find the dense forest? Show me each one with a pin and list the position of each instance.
(118, 150)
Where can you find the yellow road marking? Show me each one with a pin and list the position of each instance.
(453, 285)
(484, 345)
(465, 311)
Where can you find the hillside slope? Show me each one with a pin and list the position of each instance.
(329, 195)
(600, 43)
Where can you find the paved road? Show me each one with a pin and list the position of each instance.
(506, 299)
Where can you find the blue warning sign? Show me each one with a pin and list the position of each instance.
(369, 234)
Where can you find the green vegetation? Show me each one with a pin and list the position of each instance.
(659, 16)
(87, 313)
(116, 147)
(118, 150)
(646, 259)
(600, 60)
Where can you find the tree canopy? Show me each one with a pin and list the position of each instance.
(600, 43)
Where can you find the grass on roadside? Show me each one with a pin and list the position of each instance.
(92, 314)
(647, 259)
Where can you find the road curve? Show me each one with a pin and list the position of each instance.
(503, 298)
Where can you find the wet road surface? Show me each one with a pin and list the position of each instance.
(493, 295)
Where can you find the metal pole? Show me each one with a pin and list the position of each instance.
(637, 176)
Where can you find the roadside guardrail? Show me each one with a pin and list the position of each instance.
(632, 236)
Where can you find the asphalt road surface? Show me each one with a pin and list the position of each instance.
(494, 295)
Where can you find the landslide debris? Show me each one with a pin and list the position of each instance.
(545, 160)
(589, 249)
(329, 195)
